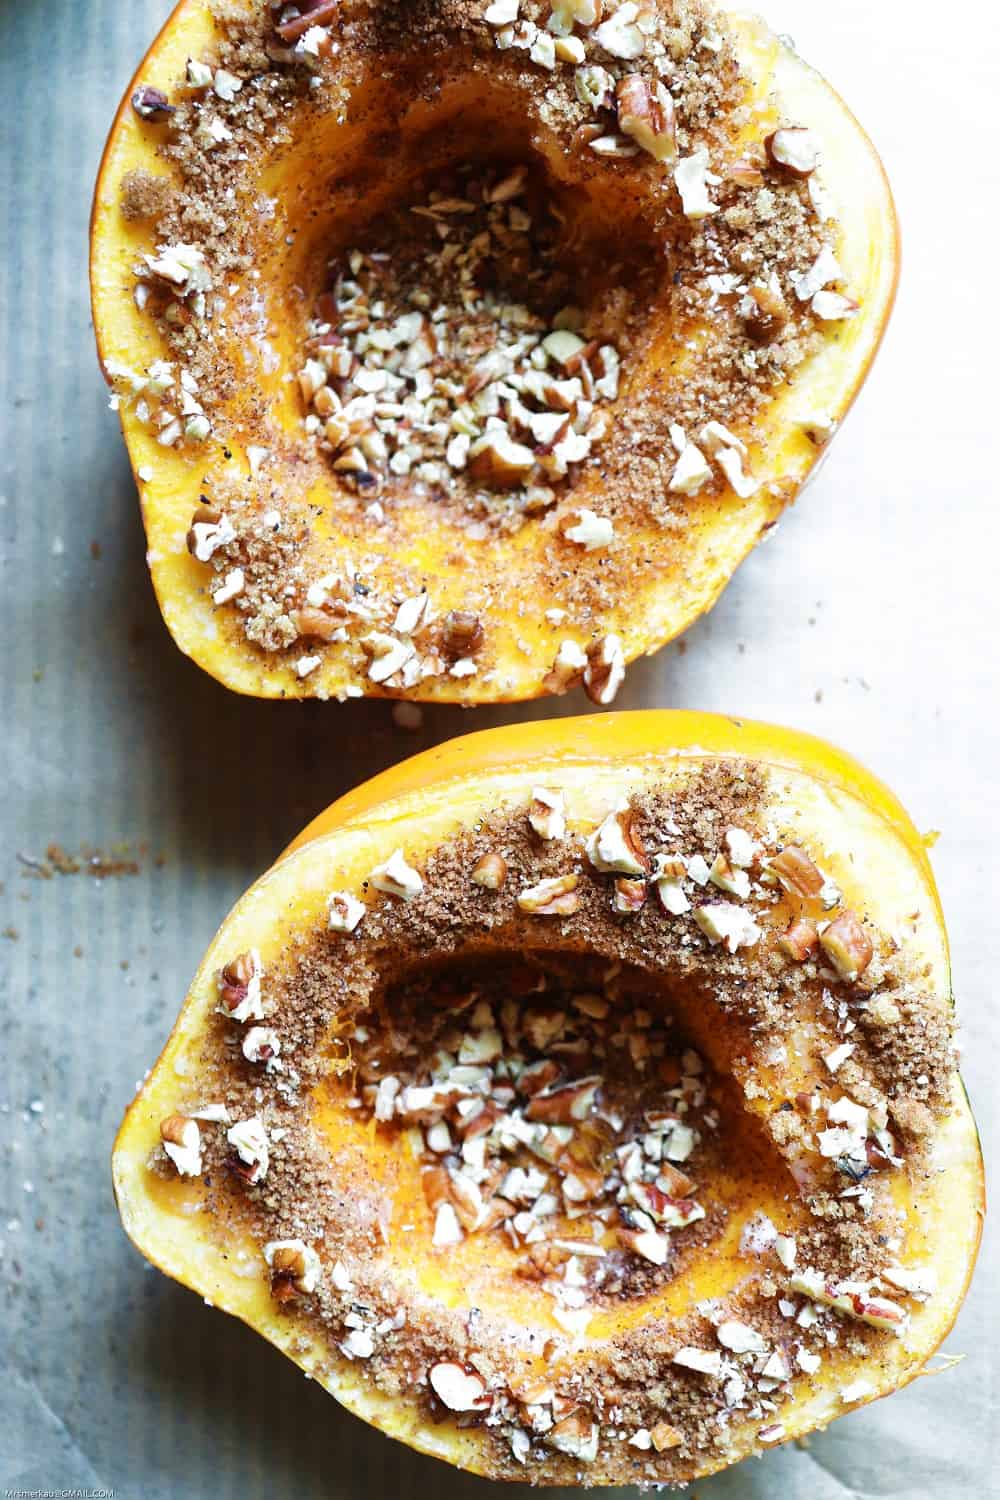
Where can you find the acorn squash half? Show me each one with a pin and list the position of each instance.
(690, 257)
(576, 1101)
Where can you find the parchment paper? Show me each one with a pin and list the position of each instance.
(869, 618)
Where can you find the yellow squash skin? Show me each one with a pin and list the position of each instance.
(676, 576)
(827, 798)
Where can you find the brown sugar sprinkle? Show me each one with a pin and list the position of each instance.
(542, 1068)
(429, 367)
(101, 864)
(145, 195)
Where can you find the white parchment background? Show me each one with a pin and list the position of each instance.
(870, 617)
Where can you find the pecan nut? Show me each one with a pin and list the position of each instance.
(490, 871)
(462, 634)
(799, 940)
(847, 945)
(319, 13)
(646, 114)
(555, 897)
(605, 670)
(152, 105)
(796, 871)
(794, 148)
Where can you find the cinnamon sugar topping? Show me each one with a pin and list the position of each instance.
(480, 344)
(516, 1032)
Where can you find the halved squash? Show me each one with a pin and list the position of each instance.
(576, 1101)
(491, 470)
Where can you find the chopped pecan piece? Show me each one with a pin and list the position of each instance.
(796, 871)
(567, 13)
(586, 134)
(629, 896)
(649, 1243)
(459, 1389)
(577, 1435)
(745, 174)
(794, 148)
(436, 1187)
(605, 670)
(510, 185)
(490, 872)
(152, 105)
(833, 307)
(799, 940)
(314, 624)
(770, 314)
(182, 1142)
(462, 633)
(346, 911)
(847, 945)
(469, 1126)
(617, 847)
(395, 877)
(728, 877)
(251, 1154)
(261, 1044)
(567, 669)
(878, 1312)
(294, 1269)
(205, 515)
(547, 813)
(580, 1183)
(466, 1200)
(555, 897)
(674, 1182)
(542, 1260)
(239, 988)
(566, 1105)
(542, 1026)
(538, 1076)
(497, 461)
(239, 971)
(646, 113)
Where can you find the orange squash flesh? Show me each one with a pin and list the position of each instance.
(669, 577)
(874, 855)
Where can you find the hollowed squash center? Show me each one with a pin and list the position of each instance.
(477, 284)
(469, 344)
(548, 1139)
